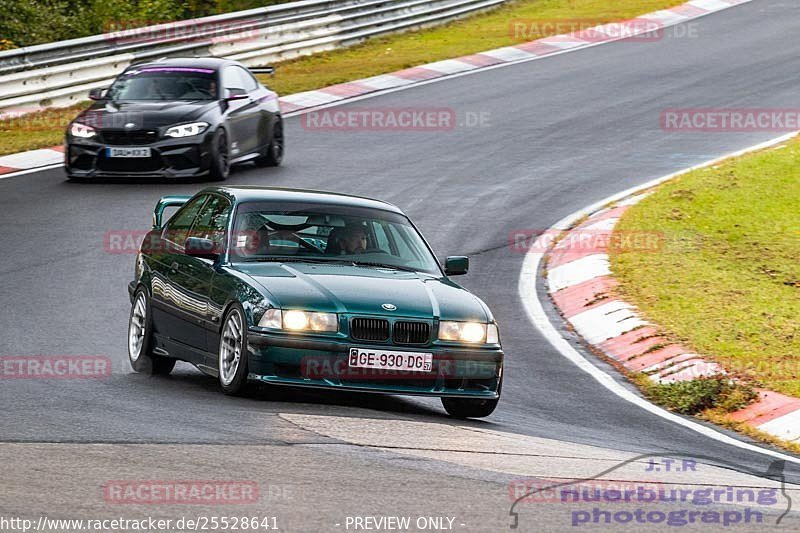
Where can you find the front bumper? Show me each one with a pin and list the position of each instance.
(170, 158)
(457, 371)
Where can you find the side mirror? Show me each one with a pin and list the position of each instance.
(236, 94)
(456, 265)
(97, 94)
(204, 248)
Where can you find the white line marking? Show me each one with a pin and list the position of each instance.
(535, 311)
(467, 73)
(30, 171)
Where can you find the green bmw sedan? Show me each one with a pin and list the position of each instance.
(309, 289)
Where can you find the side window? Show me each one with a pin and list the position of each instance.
(381, 239)
(403, 250)
(212, 222)
(231, 78)
(177, 229)
(250, 83)
(238, 78)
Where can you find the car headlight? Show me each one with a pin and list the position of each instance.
(187, 130)
(83, 131)
(471, 332)
(295, 320)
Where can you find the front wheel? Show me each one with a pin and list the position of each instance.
(140, 339)
(469, 407)
(232, 353)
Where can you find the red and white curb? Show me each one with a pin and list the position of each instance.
(547, 46)
(31, 160)
(581, 284)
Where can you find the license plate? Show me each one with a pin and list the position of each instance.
(390, 360)
(124, 151)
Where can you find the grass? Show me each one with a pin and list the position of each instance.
(533, 18)
(699, 395)
(36, 130)
(726, 282)
(478, 33)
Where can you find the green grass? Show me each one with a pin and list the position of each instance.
(36, 130)
(700, 395)
(468, 36)
(727, 281)
(474, 34)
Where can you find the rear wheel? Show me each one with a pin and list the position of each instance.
(220, 156)
(233, 353)
(469, 407)
(140, 339)
(274, 150)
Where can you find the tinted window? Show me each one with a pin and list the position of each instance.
(177, 229)
(164, 84)
(212, 222)
(372, 238)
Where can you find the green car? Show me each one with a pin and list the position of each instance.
(310, 289)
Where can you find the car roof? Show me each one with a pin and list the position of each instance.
(198, 62)
(251, 193)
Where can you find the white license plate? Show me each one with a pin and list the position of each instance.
(124, 151)
(390, 360)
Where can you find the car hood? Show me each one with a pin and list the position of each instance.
(363, 290)
(143, 115)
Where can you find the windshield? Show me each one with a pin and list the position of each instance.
(324, 233)
(165, 84)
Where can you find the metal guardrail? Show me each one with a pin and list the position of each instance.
(61, 73)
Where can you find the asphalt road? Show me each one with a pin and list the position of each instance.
(558, 134)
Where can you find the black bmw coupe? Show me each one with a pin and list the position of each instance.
(173, 118)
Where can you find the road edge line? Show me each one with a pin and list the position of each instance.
(534, 308)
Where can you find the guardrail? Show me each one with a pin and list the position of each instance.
(61, 73)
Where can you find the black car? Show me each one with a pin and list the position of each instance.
(177, 117)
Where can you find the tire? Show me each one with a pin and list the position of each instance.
(220, 156)
(140, 339)
(469, 407)
(232, 356)
(275, 149)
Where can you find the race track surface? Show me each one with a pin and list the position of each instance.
(562, 133)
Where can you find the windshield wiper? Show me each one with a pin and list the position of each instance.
(289, 259)
(383, 265)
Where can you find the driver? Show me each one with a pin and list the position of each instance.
(351, 239)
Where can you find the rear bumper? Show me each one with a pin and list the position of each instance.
(456, 372)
